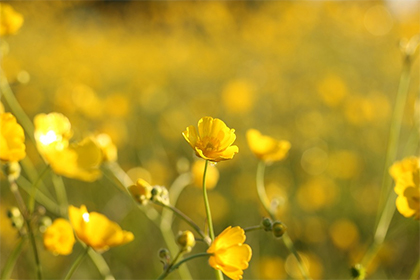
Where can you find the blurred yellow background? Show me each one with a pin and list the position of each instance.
(320, 74)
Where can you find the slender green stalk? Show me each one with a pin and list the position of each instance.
(11, 260)
(31, 203)
(266, 203)
(388, 207)
(166, 271)
(416, 271)
(14, 189)
(76, 263)
(60, 191)
(172, 268)
(252, 228)
(206, 203)
(101, 265)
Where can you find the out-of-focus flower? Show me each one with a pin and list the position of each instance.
(186, 240)
(238, 96)
(406, 175)
(213, 141)
(96, 230)
(344, 234)
(12, 139)
(229, 253)
(10, 20)
(13, 170)
(141, 191)
(265, 147)
(59, 238)
(79, 160)
(212, 175)
(109, 150)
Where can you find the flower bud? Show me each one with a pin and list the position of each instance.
(164, 254)
(160, 194)
(358, 272)
(141, 191)
(267, 224)
(279, 229)
(13, 170)
(186, 240)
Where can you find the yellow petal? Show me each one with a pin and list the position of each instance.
(190, 134)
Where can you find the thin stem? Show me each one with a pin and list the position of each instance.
(31, 203)
(266, 203)
(166, 271)
(101, 265)
(185, 218)
(416, 271)
(162, 276)
(11, 260)
(252, 228)
(14, 189)
(77, 263)
(206, 203)
(388, 207)
(60, 191)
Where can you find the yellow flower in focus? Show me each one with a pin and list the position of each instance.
(266, 148)
(212, 175)
(141, 191)
(12, 139)
(229, 253)
(96, 230)
(213, 141)
(79, 161)
(59, 238)
(10, 20)
(406, 175)
(109, 150)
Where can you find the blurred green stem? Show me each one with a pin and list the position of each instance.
(31, 203)
(416, 271)
(248, 229)
(173, 267)
(76, 263)
(219, 274)
(266, 203)
(388, 208)
(11, 260)
(60, 191)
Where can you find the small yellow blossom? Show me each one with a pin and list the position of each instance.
(406, 176)
(10, 20)
(212, 175)
(96, 230)
(79, 160)
(12, 139)
(141, 191)
(59, 238)
(229, 253)
(213, 141)
(266, 148)
(186, 241)
(109, 150)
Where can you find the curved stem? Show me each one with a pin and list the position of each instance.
(163, 275)
(77, 262)
(31, 203)
(11, 260)
(266, 203)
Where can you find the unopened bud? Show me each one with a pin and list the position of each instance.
(164, 254)
(267, 224)
(186, 240)
(13, 170)
(279, 229)
(358, 272)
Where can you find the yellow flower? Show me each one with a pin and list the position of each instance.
(212, 175)
(79, 161)
(229, 254)
(96, 230)
(12, 139)
(109, 150)
(59, 238)
(10, 20)
(266, 148)
(213, 141)
(141, 191)
(406, 175)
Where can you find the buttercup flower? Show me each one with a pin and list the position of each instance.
(230, 254)
(265, 147)
(12, 139)
(96, 230)
(59, 238)
(213, 141)
(141, 191)
(406, 176)
(79, 161)
(109, 150)
(10, 20)
(212, 175)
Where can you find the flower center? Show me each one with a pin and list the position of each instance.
(85, 217)
(48, 138)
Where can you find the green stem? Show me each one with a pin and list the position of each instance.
(31, 203)
(60, 191)
(252, 228)
(101, 265)
(163, 275)
(77, 263)
(206, 203)
(266, 203)
(416, 271)
(388, 207)
(34, 248)
(166, 271)
(11, 260)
